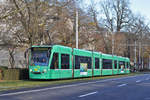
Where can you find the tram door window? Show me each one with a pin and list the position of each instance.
(121, 64)
(107, 64)
(82, 59)
(65, 61)
(54, 63)
(96, 63)
(115, 63)
(77, 62)
(89, 62)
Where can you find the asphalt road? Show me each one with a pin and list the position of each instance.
(126, 88)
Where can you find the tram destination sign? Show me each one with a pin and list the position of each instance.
(40, 49)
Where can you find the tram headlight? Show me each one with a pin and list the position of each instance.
(30, 70)
(44, 71)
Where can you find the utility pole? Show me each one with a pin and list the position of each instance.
(135, 54)
(149, 61)
(112, 48)
(112, 43)
(142, 59)
(76, 28)
(139, 54)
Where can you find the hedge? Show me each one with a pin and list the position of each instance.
(11, 74)
(14, 74)
(1, 75)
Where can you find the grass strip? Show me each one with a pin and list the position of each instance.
(16, 84)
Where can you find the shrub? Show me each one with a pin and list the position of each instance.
(24, 74)
(2, 70)
(1, 75)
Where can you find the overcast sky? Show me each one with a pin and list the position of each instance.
(142, 7)
(137, 6)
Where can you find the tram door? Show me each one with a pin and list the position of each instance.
(66, 69)
(55, 71)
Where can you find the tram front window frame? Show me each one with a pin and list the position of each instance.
(40, 56)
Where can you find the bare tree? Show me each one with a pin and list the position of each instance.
(117, 14)
(106, 37)
(28, 22)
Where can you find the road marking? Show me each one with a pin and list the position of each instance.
(87, 94)
(147, 98)
(65, 86)
(138, 81)
(122, 85)
(147, 79)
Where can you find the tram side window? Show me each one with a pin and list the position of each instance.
(65, 61)
(107, 64)
(77, 62)
(115, 63)
(96, 63)
(121, 63)
(54, 64)
(82, 59)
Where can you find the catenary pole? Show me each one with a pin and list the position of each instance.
(76, 28)
(135, 54)
(139, 54)
(112, 43)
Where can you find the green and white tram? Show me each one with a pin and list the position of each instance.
(59, 62)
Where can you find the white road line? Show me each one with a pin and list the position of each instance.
(147, 79)
(138, 81)
(122, 85)
(87, 94)
(59, 87)
(147, 98)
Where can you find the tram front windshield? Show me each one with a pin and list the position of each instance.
(40, 56)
